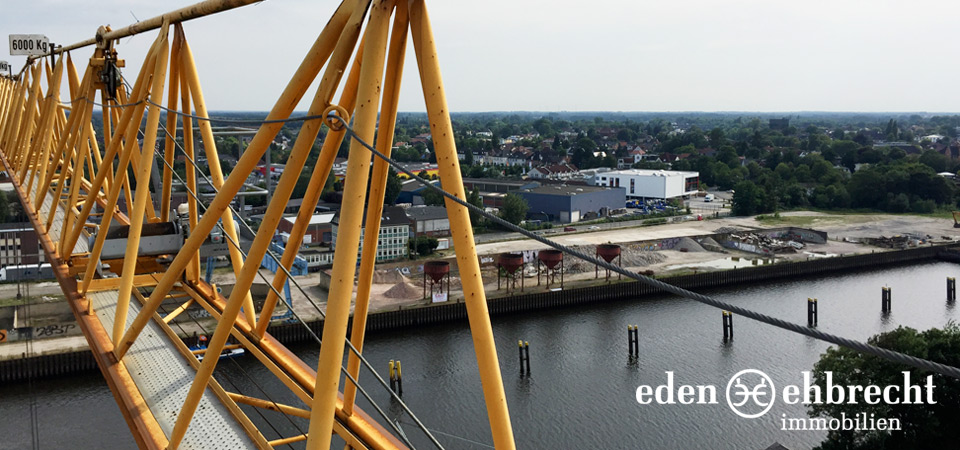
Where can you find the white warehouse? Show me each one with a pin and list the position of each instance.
(651, 184)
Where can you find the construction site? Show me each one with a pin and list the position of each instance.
(511, 267)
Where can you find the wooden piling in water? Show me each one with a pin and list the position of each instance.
(727, 326)
(399, 379)
(812, 312)
(393, 375)
(526, 355)
(520, 346)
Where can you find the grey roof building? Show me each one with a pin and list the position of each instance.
(428, 220)
(571, 203)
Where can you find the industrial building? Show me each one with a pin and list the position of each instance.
(493, 191)
(394, 234)
(19, 245)
(319, 231)
(651, 184)
(571, 203)
(429, 220)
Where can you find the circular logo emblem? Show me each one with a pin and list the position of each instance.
(750, 393)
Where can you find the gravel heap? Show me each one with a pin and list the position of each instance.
(711, 245)
(723, 230)
(689, 244)
(390, 276)
(403, 290)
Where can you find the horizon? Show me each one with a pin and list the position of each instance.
(533, 111)
(676, 57)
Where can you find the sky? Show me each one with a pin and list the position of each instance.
(564, 55)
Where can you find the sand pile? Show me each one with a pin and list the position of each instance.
(391, 276)
(634, 258)
(455, 283)
(577, 267)
(689, 244)
(711, 245)
(403, 290)
(629, 258)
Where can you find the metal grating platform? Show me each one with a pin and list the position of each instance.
(82, 245)
(164, 377)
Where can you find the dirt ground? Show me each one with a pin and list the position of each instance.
(311, 303)
(840, 229)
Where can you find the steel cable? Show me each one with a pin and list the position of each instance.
(290, 277)
(862, 347)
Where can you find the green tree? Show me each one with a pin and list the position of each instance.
(746, 199)
(891, 131)
(394, 185)
(587, 144)
(543, 126)
(5, 212)
(802, 173)
(924, 425)
(424, 245)
(934, 160)
(899, 203)
(866, 189)
(626, 134)
(728, 155)
(717, 137)
(431, 197)
(794, 196)
(514, 209)
(303, 181)
(474, 199)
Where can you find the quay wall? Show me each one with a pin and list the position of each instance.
(53, 365)
(630, 290)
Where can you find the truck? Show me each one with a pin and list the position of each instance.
(708, 198)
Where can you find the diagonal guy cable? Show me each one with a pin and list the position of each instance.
(290, 277)
(314, 335)
(862, 347)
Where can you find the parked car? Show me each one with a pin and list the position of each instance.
(593, 227)
(569, 229)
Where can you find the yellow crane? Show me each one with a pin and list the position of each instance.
(70, 182)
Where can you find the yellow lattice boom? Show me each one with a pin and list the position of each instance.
(76, 189)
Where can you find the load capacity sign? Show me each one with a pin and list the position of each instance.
(29, 44)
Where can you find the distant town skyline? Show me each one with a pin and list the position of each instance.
(606, 55)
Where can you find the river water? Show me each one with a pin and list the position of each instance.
(582, 391)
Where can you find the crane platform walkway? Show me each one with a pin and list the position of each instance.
(163, 377)
(81, 173)
(56, 227)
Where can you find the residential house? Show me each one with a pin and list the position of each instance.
(553, 171)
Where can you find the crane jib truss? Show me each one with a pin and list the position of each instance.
(76, 188)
